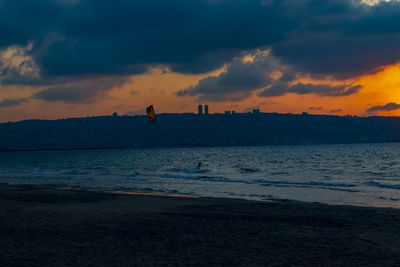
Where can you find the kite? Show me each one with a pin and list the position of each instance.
(151, 114)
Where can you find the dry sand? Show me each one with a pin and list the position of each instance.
(51, 227)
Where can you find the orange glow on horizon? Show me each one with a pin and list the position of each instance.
(159, 89)
(382, 88)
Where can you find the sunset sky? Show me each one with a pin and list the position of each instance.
(78, 58)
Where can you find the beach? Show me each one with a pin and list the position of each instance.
(44, 226)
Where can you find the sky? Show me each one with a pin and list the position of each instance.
(78, 58)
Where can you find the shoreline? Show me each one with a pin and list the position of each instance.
(183, 195)
(48, 226)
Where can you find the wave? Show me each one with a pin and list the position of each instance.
(74, 172)
(80, 179)
(376, 184)
(279, 173)
(312, 183)
(37, 173)
(189, 171)
(194, 171)
(319, 185)
(338, 189)
(322, 185)
(249, 170)
(131, 174)
(175, 176)
(391, 199)
(286, 200)
(202, 178)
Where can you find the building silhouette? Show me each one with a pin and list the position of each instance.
(206, 109)
(200, 110)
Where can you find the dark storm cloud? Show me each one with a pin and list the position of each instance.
(388, 107)
(30, 20)
(6, 103)
(83, 92)
(318, 89)
(339, 55)
(241, 79)
(343, 38)
(189, 36)
(236, 83)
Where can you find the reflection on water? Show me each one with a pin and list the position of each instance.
(358, 174)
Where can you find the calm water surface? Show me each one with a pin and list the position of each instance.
(355, 174)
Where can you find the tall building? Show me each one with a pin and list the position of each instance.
(206, 109)
(200, 109)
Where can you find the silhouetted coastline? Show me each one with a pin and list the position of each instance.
(194, 130)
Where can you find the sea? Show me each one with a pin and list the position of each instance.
(348, 174)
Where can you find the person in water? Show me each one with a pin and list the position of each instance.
(199, 165)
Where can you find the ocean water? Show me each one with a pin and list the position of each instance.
(351, 174)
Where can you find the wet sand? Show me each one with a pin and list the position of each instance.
(42, 226)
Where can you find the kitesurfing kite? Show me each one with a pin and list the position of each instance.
(151, 114)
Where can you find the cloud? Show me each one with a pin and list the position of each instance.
(237, 82)
(128, 36)
(283, 88)
(16, 67)
(341, 38)
(336, 110)
(338, 54)
(6, 103)
(134, 92)
(388, 107)
(260, 70)
(82, 92)
(315, 108)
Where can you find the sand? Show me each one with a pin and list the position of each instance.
(42, 226)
